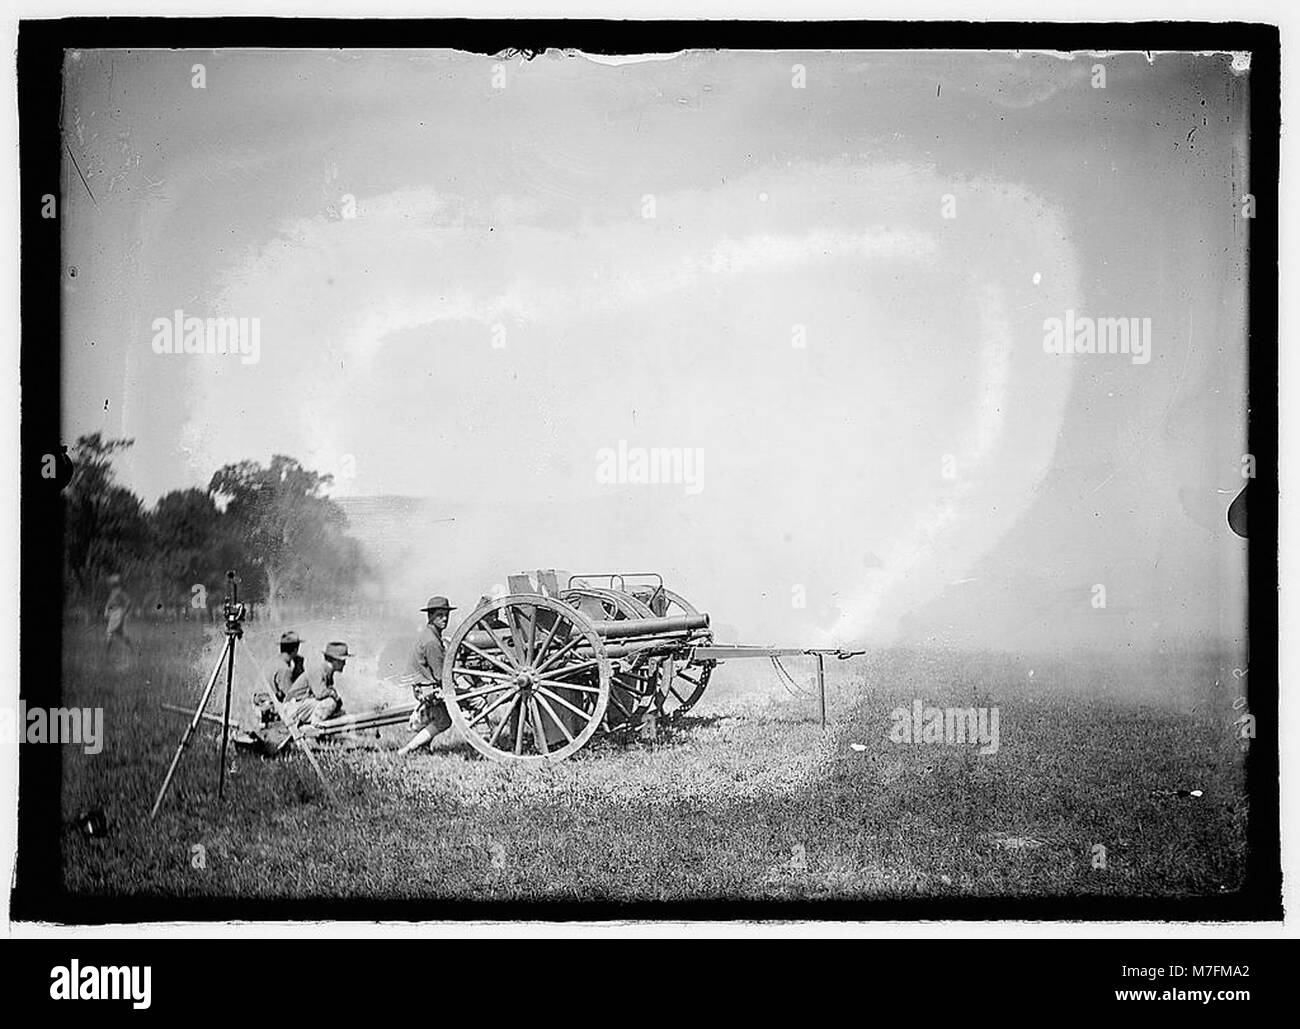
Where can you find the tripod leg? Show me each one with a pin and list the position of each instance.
(225, 718)
(190, 729)
(296, 733)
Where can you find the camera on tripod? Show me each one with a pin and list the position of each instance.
(232, 609)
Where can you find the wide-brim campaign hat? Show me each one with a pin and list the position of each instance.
(290, 638)
(438, 604)
(338, 651)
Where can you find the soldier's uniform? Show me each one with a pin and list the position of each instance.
(299, 688)
(289, 672)
(282, 680)
(312, 696)
(424, 675)
(290, 687)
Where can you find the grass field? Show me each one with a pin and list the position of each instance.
(747, 799)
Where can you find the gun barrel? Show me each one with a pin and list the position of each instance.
(669, 625)
(627, 628)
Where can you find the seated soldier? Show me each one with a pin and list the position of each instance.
(288, 672)
(291, 665)
(313, 698)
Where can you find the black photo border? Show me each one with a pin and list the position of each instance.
(39, 895)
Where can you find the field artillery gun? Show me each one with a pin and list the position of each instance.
(540, 671)
(534, 675)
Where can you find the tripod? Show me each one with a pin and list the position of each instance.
(234, 614)
(234, 630)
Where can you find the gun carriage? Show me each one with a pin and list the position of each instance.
(535, 674)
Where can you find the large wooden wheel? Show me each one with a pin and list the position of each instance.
(526, 679)
(633, 685)
(680, 683)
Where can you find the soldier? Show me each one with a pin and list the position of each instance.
(425, 677)
(313, 697)
(291, 666)
(282, 681)
(115, 611)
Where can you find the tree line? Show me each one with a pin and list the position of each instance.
(272, 525)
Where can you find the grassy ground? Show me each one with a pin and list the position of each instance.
(747, 799)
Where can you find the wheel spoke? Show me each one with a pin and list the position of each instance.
(554, 718)
(558, 654)
(519, 727)
(518, 639)
(492, 741)
(488, 657)
(581, 666)
(560, 700)
(550, 635)
(483, 691)
(490, 708)
(571, 685)
(538, 729)
(532, 637)
(509, 652)
(483, 673)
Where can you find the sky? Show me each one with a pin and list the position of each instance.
(826, 274)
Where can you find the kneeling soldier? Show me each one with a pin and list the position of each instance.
(291, 666)
(289, 672)
(425, 677)
(313, 696)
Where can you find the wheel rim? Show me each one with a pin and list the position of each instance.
(681, 684)
(530, 680)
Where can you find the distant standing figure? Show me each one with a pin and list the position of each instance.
(115, 612)
(425, 677)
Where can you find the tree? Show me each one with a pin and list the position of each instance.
(294, 536)
(275, 522)
(190, 543)
(104, 523)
